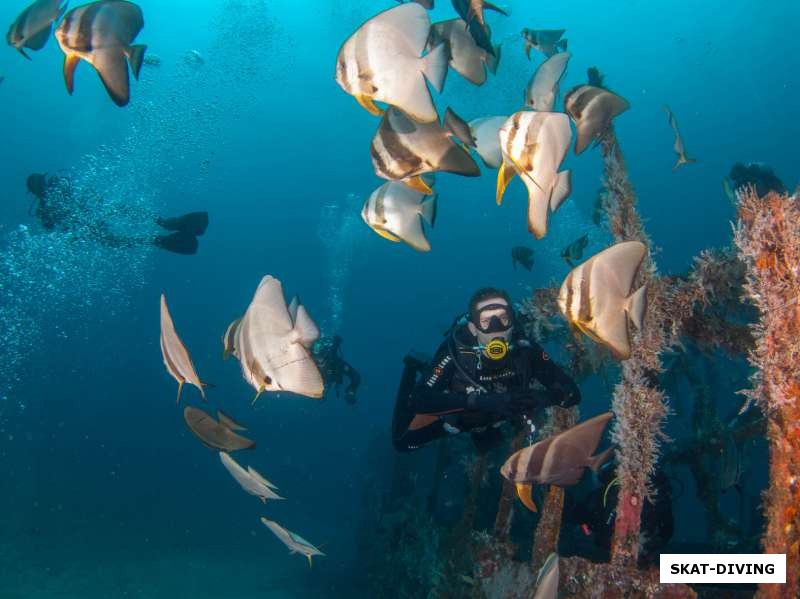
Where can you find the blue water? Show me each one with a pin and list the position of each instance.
(104, 491)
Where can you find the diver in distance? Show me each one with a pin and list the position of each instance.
(485, 373)
(333, 367)
(60, 206)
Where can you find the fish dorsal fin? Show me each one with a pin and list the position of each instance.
(305, 329)
(270, 305)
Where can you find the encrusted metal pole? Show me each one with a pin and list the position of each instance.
(505, 508)
(546, 535)
(768, 239)
(638, 404)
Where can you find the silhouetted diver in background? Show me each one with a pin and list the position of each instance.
(59, 206)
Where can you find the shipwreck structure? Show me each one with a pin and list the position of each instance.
(760, 277)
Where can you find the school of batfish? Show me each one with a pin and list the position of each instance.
(390, 65)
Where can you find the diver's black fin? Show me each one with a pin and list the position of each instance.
(194, 223)
(178, 243)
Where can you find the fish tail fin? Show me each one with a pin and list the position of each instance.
(683, 160)
(136, 58)
(601, 458)
(493, 60)
(637, 306)
(428, 209)
(435, 66)
(70, 64)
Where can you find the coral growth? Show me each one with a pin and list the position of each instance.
(768, 239)
(580, 578)
(638, 405)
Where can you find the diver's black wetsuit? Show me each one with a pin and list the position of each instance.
(332, 366)
(442, 401)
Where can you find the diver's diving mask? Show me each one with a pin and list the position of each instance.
(495, 325)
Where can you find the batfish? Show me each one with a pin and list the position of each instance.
(559, 460)
(293, 541)
(32, 28)
(596, 296)
(543, 88)
(403, 150)
(212, 433)
(395, 212)
(546, 41)
(250, 480)
(272, 346)
(534, 144)
(176, 356)
(592, 110)
(102, 34)
(678, 145)
(466, 58)
(382, 61)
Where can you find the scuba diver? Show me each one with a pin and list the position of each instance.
(593, 513)
(327, 353)
(485, 373)
(60, 206)
(760, 176)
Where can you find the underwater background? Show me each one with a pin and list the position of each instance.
(105, 493)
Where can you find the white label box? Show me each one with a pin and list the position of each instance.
(692, 568)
